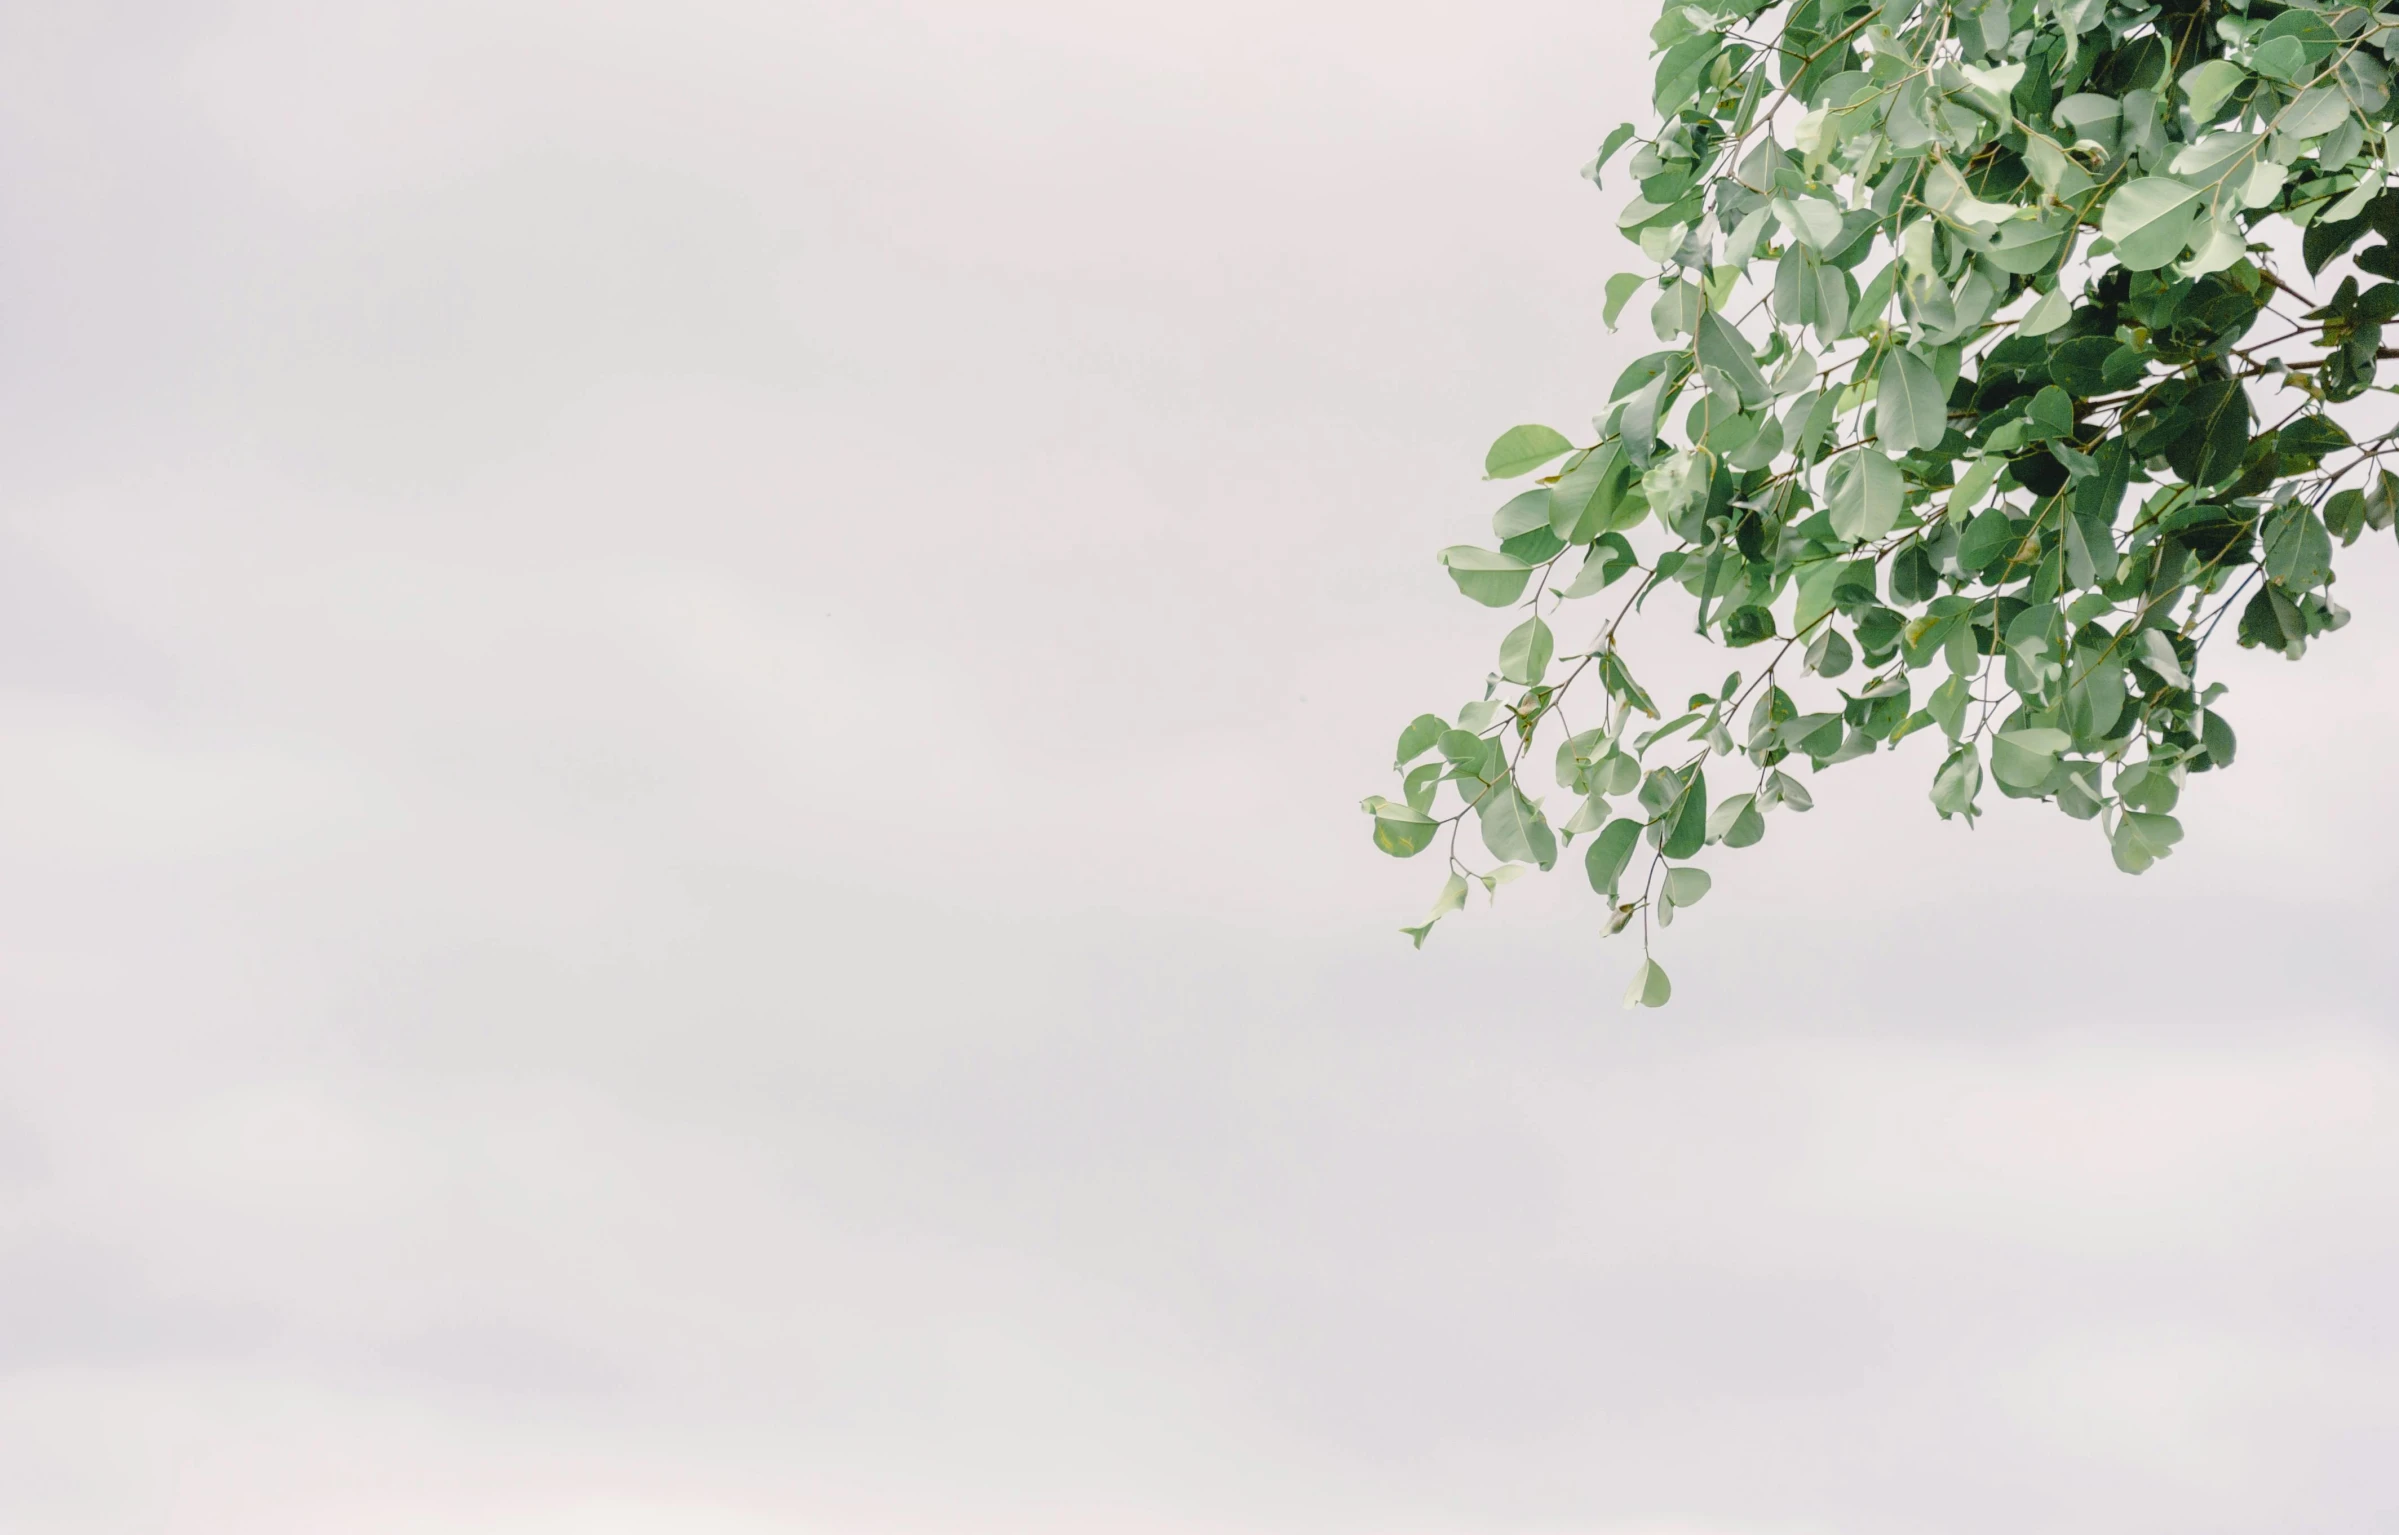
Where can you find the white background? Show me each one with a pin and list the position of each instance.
(682, 691)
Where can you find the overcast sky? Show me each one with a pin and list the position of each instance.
(682, 693)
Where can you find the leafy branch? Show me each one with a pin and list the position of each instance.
(1962, 311)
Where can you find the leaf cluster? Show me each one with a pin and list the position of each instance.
(1979, 403)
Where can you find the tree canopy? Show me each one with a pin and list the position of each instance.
(1983, 402)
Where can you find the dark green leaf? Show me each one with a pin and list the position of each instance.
(2080, 366)
(2213, 432)
(2345, 515)
(1988, 537)
(1913, 579)
(1750, 625)
(1687, 827)
(2298, 554)
(2215, 732)
(2272, 621)
(2307, 440)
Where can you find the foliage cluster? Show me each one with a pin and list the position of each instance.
(1980, 406)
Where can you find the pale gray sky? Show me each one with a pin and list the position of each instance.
(682, 691)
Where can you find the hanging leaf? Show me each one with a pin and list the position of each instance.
(1650, 988)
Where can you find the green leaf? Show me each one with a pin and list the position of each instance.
(1721, 347)
(1866, 506)
(1452, 898)
(1609, 852)
(1401, 830)
(1462, 746)
(1505, 874)
(2094, 698)
(2080, 366)
(2210, 432)
(1913, 576)
(1974, 484)
(2123, 368)
(2209, 85)
(1621, 288)
(2141, 839)
(1817, 735)
(1610, 558)
(1522, 514)
(1607, 151)
(1534, 546)
(1576, 755)
(1492, 579)
(1513, 829)
(1809, 418)
(1737, 822)
(1588, 817)
(1584, 496)
(1829, 653)
(1678, 73)
(2319, 110)
(2281, 58)
(2215, 733)
(1956, 784)
(1524, 656)
(1650, 987)
(2157, 652)
(2148, 785)
(1782, 789)
(1948, 706)
(1873, 299)
(1419, 737)
(2272, 620)
(1750, 624)
(1910, 411)
(2151, 221)
(2298, 550)
(1617, 678)
(2308, 439)
(1687, 827)
(1638, 426)
(1521, 450)
(2023, 759)
(2051, 411)
(1686, 886)
(2345, 515)
(2382, 500)
(1812, 221)
(2048, 312)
